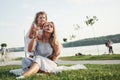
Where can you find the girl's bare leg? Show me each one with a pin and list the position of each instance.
(32, 70)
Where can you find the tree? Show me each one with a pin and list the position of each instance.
(3, 45)
(76, 29)
(65, 39)
(72, 36)
(89, 22)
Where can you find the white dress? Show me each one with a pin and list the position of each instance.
(42, 51)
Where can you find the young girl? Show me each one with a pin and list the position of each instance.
(36, 28)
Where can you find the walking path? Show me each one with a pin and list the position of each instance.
(68, 62)
(90, 62)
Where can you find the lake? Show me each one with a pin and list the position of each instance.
(92, 50)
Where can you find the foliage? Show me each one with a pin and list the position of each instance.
(65, 39)
(16, 49)
(91, 20)
(18, 58)
(91, 41)
(3, 45)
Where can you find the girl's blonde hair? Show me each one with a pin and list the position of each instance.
(37, 15)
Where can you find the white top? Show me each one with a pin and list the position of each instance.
(43, 49)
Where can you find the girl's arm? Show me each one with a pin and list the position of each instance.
(33, 41)
(33, 31)
(31, 45)
(31, 34)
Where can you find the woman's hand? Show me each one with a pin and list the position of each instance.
(53, 58)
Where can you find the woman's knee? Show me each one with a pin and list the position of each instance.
(35, 67)
(26, 62)
(35, 64)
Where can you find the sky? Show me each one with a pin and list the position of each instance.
(16, 17)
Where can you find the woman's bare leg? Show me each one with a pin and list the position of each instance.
(33, 69)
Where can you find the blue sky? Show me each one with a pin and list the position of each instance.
(16, 17)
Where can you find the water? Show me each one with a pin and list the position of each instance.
(93, 50)
(16, 54)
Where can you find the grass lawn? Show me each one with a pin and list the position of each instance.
(87, 57)
(91, 57)
(94, 72)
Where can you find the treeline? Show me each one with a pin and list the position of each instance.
(83, 42)
(17, 49)
(93, 41)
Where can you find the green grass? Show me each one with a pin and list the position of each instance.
(94, 72)
(91, 57)
(87, 57)
(19, 58)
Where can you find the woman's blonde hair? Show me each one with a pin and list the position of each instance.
(53, 40)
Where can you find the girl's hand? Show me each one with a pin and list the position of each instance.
(39, 36)
(31, 56)
(36, 32)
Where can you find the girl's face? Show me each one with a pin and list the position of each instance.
(48, 27)
(41, 19)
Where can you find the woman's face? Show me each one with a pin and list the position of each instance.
(41, 19)
(48, 27)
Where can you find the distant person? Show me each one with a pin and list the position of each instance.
(109, 46)
(78, 54)
(4, 52)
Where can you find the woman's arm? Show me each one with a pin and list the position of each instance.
(57, 50)
(31, 47)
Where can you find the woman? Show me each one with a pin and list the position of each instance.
(45, 51)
